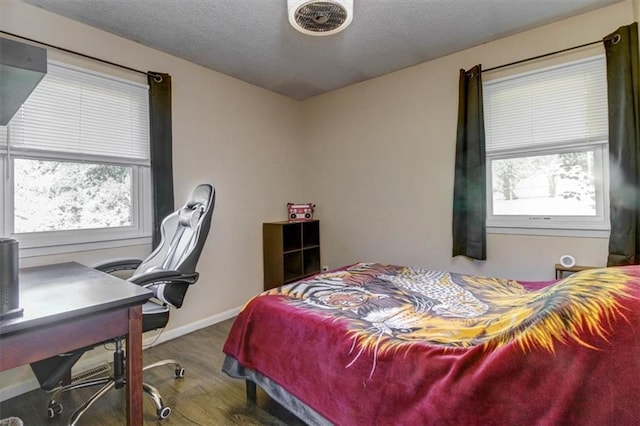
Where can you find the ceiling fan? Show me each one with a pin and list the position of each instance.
(320, 18)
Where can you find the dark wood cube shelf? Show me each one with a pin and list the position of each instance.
(291, 251)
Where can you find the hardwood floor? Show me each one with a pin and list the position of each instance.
(205, 396)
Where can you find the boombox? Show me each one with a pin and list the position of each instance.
(300, 212)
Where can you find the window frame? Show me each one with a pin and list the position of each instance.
(579, 226)
(66, 241)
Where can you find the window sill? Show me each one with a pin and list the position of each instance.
(580, 233)
(80, 247)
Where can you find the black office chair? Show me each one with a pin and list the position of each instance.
(168, 272)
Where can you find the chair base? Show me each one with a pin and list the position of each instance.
(107, 383)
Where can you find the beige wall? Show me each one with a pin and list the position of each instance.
(636, 15)
(237, 136)
(383, 181)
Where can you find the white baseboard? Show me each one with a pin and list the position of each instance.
(8, 391)
(15, 389)
(166, 335)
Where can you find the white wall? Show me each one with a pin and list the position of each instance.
(239, 137)
(383, 182)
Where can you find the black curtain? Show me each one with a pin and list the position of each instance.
(624, 145)
(469, 191)
(161, 149)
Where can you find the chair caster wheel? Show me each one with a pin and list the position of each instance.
(179, 372)
(54, 409)
(164, 412)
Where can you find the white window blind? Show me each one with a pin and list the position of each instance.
(88, 114)
(3, 137)
(552, 107)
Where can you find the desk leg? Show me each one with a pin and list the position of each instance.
(134, 367)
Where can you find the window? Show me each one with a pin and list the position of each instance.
(546, 145)
(75, 164)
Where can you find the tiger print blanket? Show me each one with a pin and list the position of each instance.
(386, 344)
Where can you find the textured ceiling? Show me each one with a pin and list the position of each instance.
(253, 41)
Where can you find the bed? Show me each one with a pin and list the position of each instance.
(374, 344)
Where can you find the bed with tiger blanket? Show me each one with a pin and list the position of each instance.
(374, 344)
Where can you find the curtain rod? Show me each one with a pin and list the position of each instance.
(615, 38)
(156, 77)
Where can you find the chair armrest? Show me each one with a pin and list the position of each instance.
(164, 277)
(120, 264)
(168, 286)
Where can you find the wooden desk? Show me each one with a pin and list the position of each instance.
(68, 306)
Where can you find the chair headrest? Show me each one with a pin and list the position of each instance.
(196, 206)
(190, 215)
(200, 195)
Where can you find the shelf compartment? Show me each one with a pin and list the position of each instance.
(292, 265)
(311, 261)
(310, 234)
(291, 237)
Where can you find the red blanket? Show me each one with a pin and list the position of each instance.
(381, 344)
